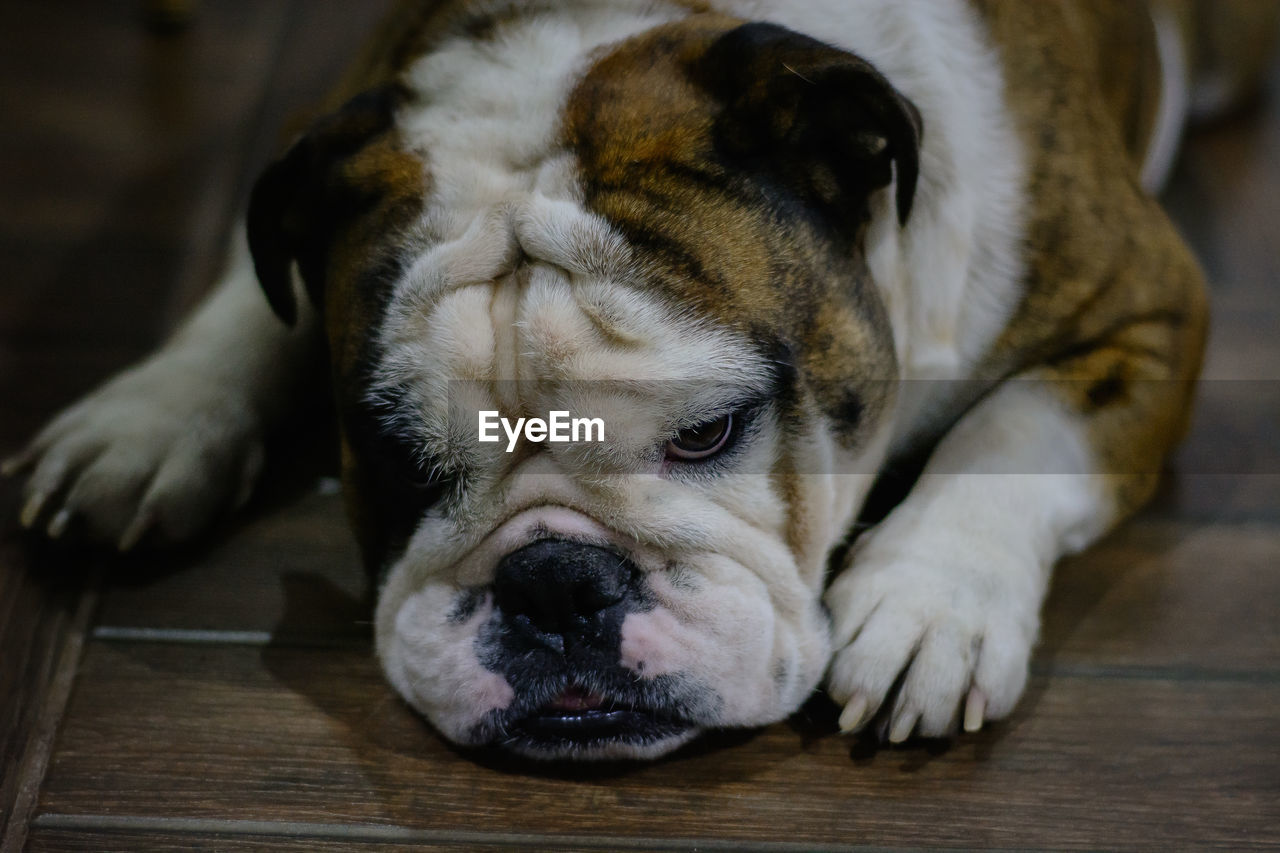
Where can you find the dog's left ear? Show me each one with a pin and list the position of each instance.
(821, 120)
(301, 200)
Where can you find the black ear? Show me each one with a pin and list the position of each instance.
(301, 199)
(824, 122)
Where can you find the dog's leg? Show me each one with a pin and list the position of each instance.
(167, 444)
(942, 599)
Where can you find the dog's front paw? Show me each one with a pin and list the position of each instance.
(952, 633)
(160, 449)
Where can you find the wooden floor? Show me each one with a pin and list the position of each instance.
(225, 697)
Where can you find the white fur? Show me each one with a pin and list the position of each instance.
(949, 586)
(520, 291)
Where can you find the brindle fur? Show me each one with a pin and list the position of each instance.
(1113, 313)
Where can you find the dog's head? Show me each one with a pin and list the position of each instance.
(668, 237)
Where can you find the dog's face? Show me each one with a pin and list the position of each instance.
(679, 255)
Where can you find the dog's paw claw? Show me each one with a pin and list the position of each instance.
(975, 708)
(142, 522)
(59, 523)
(855, 714)
(17, 463)
(904, 723)
(32, 508)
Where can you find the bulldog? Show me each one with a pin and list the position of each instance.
(773, 248)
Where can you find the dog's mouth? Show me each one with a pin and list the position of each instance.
(580, 719)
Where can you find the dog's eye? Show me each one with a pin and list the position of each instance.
(425, 481)
(430, 481)
(702, 441)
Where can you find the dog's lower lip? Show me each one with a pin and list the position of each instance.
(578, 716)
(585, 725)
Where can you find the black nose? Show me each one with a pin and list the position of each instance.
(559, 586)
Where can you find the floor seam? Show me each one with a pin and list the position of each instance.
(387, 833)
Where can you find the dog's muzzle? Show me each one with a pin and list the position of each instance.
(556, 637)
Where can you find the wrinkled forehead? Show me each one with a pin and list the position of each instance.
(542, 299)
(579, 223)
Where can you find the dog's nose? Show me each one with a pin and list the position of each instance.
(559, 585)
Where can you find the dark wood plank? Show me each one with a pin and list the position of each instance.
(1170, 595)
(292, 571)
(101, 840)
(314, 736)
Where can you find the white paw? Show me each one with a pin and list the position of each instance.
(158, 450)
(953, 632)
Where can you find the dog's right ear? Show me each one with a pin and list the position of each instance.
(302, 199)
(818, 120)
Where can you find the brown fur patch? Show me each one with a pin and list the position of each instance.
(715, 238)
(396, 182)
(1113, 314)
